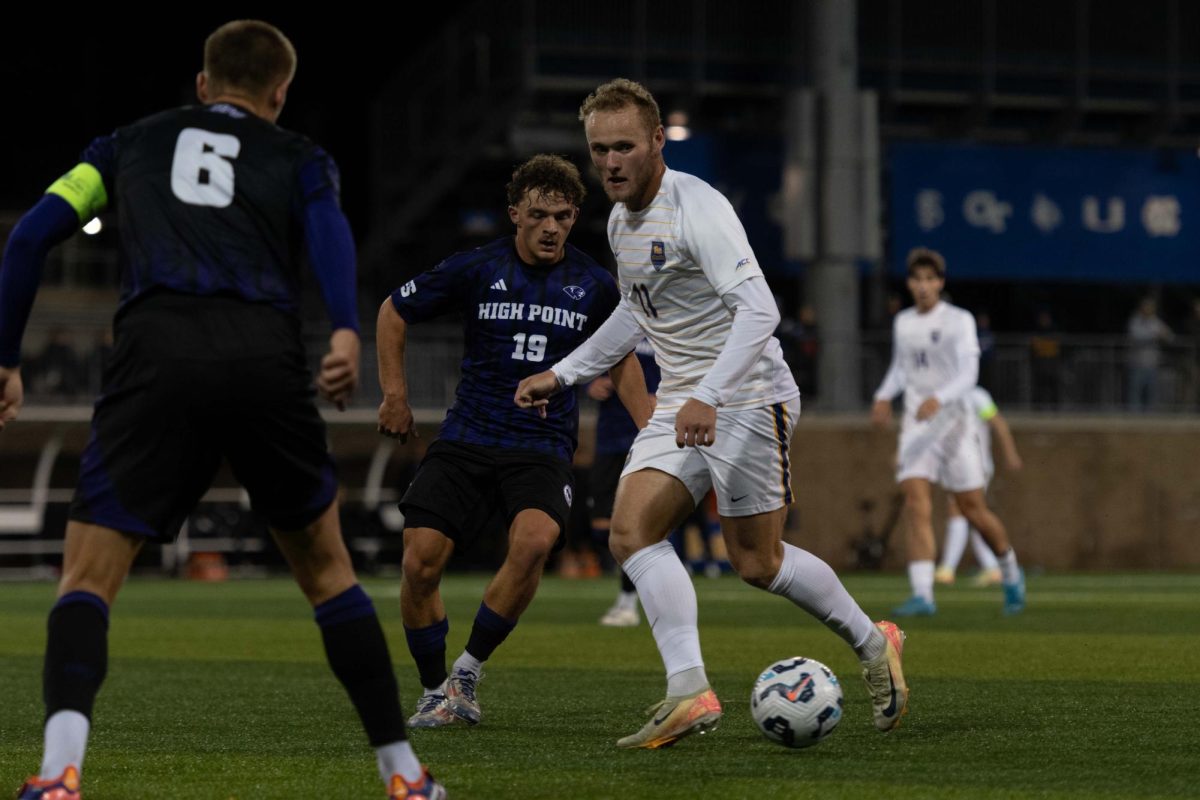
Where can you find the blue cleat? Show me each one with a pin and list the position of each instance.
(915, 606)
(1014, 595)
(425, 789)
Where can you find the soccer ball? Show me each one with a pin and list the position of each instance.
(797, 702)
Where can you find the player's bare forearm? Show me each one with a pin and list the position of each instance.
(629, 380)
(536, 391)
(1008, 444)
(391, 341)
(12, 394)
(881, 413)
(695, 424)
(338, 377)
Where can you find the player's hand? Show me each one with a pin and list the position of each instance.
(695, 424)
(536, 390)
(600, 389)
(339, 368)
(881, 413)
(396, 419)
(12, 394)
(1014, 462)
(928, 409)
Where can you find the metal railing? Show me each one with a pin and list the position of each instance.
(1089, 374)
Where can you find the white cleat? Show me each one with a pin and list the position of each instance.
(620, 616)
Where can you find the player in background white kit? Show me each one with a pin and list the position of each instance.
(985, 417)
(935, 361)
(726, 406)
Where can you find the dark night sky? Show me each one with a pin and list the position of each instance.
(70, 78)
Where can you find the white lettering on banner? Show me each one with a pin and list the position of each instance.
(983, 210)
(1045, 213)
(1160, 215)
(1114, 220)
(929, 209)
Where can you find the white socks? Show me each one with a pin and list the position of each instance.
(469, 663)
(956, 542)
(669, 602)
(812, 584)
(627, 600)
(920, 576)
(983, 553)
(1009, 571)
(398, 758)
(65, 739)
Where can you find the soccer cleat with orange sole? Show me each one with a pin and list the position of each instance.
(885, 679)
(64, 787)
(425, 789)
(674, 718)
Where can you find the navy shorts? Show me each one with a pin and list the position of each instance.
(193, 380)
(459, 486)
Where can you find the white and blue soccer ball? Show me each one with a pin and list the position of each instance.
(797, 702)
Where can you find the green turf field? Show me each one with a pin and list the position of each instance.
(220, 691)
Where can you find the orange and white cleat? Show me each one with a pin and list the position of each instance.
(64, 787)
(885, 679)
(677, 717)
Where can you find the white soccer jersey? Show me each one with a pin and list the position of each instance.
(675, 259)
(926, 351)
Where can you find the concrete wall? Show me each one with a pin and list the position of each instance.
(1105, 494)
(1095, 493)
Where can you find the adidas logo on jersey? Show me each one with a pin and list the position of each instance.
(500, 286)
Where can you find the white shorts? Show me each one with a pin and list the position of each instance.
(747, 464)
(946, 454)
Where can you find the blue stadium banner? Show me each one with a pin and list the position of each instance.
(1048, 213)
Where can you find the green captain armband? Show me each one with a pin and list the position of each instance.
(83, 189)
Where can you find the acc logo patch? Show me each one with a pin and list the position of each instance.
(658, 255)
(575, 292)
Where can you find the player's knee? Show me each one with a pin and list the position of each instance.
(530, 546)
(918, 507)
(758, 570)
(421, 570)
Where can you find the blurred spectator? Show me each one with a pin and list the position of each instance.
(57, 370)
(1146, 335)
(1045, 360)
(798, 337)
(807, 351)
(987, 350)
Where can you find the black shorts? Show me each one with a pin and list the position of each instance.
(192, 380)
(605, 475)
(459, 486)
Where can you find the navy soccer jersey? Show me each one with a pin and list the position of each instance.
(615, 429)
(211, 202)
(519, 319)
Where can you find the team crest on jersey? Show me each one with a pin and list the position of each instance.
(935, 335)
(658, 255)
(574, 292)
(568, 494)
